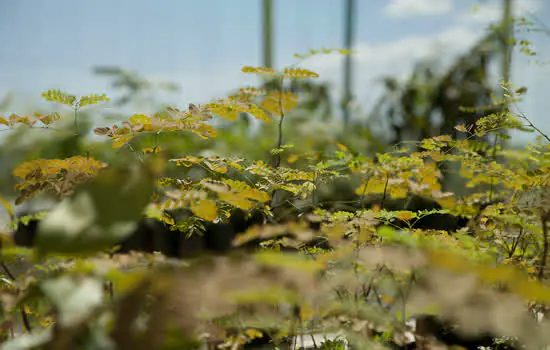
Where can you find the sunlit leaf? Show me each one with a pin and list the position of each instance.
(205, 209)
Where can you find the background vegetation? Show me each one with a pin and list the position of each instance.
(278, 149)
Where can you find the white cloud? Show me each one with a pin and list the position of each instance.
(395, 58)
(406, 8)
(491, 11)
(482, 13)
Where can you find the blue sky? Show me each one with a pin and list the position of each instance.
(202, 44)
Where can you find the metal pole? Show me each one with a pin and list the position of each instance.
(348, 43)
(507, 30)
(508, 37)
(267, 43)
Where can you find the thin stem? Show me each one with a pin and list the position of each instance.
(516, 242)
(136, 152)
(76, 120)
(155, 145)
(543, 27)
(494, 158)
(24, 316)
(385, 193)
(524, 117)
(277, 156)
(546, 245)
(280, 136)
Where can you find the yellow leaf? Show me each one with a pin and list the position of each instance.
(219, 168)
(121, 141)
(235, 200)
(373, 186)
(306, 312)
(205, 209)
(521, 90)
(8, 206)
(28, 310)
(398, 192)
(403, 215)
(292, 159)
(254, 194)
(342, 147)
(140, 119)
(47, 321)
(253, 333)
(154, 150)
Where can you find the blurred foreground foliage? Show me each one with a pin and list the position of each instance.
(70, 291)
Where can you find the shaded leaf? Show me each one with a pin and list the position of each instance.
(100, 214)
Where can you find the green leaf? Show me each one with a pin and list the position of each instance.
(396, 236)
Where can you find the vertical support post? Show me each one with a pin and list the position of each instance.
(267, 11)
(507, 35)
(508, 39)
(348, 43)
